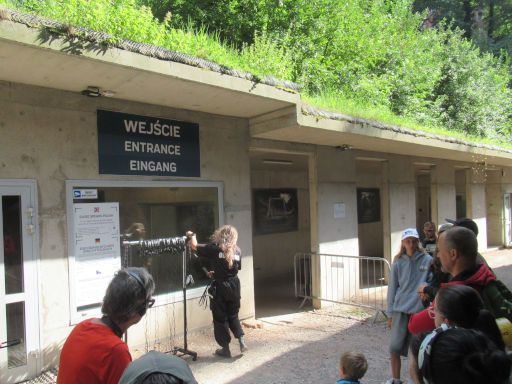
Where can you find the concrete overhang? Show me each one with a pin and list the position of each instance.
(30, 56)
(292, 125)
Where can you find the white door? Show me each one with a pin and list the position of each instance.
(19, 318)
(507, 218)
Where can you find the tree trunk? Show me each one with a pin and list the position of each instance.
(490, 24)
(466, 5)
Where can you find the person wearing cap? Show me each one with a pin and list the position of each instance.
(464, 222)
(158, 368)
(473, 227)
(408, 271)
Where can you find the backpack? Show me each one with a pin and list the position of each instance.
(497, 299)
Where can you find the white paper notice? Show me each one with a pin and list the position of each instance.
(97, 249)
(339, 210)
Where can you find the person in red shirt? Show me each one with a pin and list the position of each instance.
(94, 352)
(457, 249)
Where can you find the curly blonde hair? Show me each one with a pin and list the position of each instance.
(226, 237)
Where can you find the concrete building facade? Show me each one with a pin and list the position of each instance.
(254, 140)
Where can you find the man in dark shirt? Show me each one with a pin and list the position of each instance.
(429, 240)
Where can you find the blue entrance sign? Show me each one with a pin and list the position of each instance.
(140, 145)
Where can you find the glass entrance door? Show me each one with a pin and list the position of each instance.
(19, 321)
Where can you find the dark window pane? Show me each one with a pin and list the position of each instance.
(17, 353)
(13, 251)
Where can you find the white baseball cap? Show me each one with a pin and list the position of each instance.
(410, 232)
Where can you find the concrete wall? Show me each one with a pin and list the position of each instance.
(336, 184)
(445, 176)
(506, 188)
(423, 200)
(51, 136)
(494, 208)
(402, 199)
(478, 212)
(369, 175)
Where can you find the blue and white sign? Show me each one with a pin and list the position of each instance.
(83, 194)
(140, 145)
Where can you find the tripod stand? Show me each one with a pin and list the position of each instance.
(185, 279)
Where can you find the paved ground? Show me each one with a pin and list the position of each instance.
(304, 347)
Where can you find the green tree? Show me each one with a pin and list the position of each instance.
(487, 22)
(473, 91)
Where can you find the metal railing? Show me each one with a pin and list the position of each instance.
(354, 280)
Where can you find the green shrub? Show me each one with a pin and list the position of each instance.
(473, 91)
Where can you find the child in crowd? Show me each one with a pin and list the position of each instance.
(408, 271)
(353, 366)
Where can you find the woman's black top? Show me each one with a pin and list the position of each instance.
(218, 261)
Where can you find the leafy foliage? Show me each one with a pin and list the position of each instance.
(473, 90)
(378, 55)
(375, 53)
(487, 22)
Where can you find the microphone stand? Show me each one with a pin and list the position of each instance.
(185, 350)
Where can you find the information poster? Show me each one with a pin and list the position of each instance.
(97, 250)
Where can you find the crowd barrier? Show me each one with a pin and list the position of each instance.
(354, 280)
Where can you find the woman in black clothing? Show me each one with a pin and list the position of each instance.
(225, 260)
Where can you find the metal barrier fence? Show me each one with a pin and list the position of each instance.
(355, 280)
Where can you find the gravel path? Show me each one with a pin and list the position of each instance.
(296, 348)
(305, 347)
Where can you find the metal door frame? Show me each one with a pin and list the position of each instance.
(27, 190)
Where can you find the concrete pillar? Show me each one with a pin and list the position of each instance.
(402, 200)
(445, 182)
(386, 219)
(476, 203)
(494, 208)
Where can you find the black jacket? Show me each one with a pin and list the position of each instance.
(218, 262)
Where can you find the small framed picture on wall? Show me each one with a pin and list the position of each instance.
(368, 205)
(275, 210)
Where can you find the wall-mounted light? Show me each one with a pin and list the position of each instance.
(277, 161)
(92, 91)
